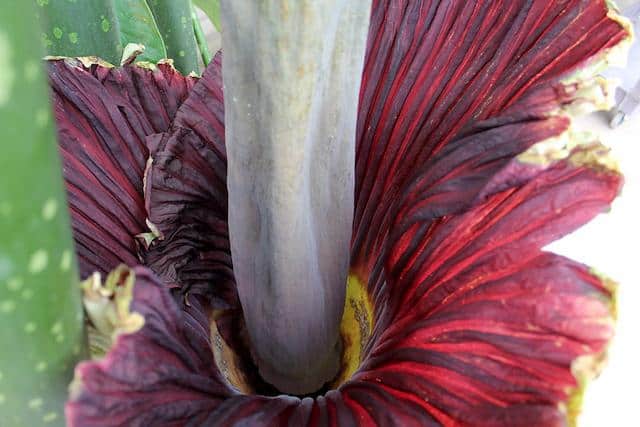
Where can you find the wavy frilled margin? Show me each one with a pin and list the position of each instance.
(581, 150)
(466, 168)
(591, 92)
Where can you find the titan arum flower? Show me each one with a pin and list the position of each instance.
(385, 200)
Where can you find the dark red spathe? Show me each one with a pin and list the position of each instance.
(474, 323)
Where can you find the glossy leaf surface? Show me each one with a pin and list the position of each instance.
(138, 25)
(80, 28)
(174, 21)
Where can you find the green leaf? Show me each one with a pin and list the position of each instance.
(138, 25)
(212, 9)
(174, 21)
(80, 28)
(41, 323)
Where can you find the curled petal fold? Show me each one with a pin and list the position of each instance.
(103, 116)
(186, 196)
(186, 202)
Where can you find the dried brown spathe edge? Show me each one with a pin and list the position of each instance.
(580, 150)
(592, 93)
(108, 307)
(130, 53)
(147, 238)
(587, 368)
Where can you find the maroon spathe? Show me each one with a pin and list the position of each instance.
(474, 323)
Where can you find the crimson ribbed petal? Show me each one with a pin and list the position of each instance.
(103, 116)
(481, 324)
(486, 333)
(434, 68)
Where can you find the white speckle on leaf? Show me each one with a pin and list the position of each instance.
(42, 117)
(5, 267)
(50, 417)
(35, 403)
(27, 294)
(30, 328)
(8, 75)
(41, 367)
(105, 25)
(49, 209)
(2, 399)
(14, 284)
(31, 70)
(38, 261)
(5, 209)
(7, 306)
(65, 261)
(56, 329)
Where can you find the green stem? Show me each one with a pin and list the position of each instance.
(41, 337)
(200, 38)
(80, 28)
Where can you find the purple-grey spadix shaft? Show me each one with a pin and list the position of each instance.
(292, 71)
